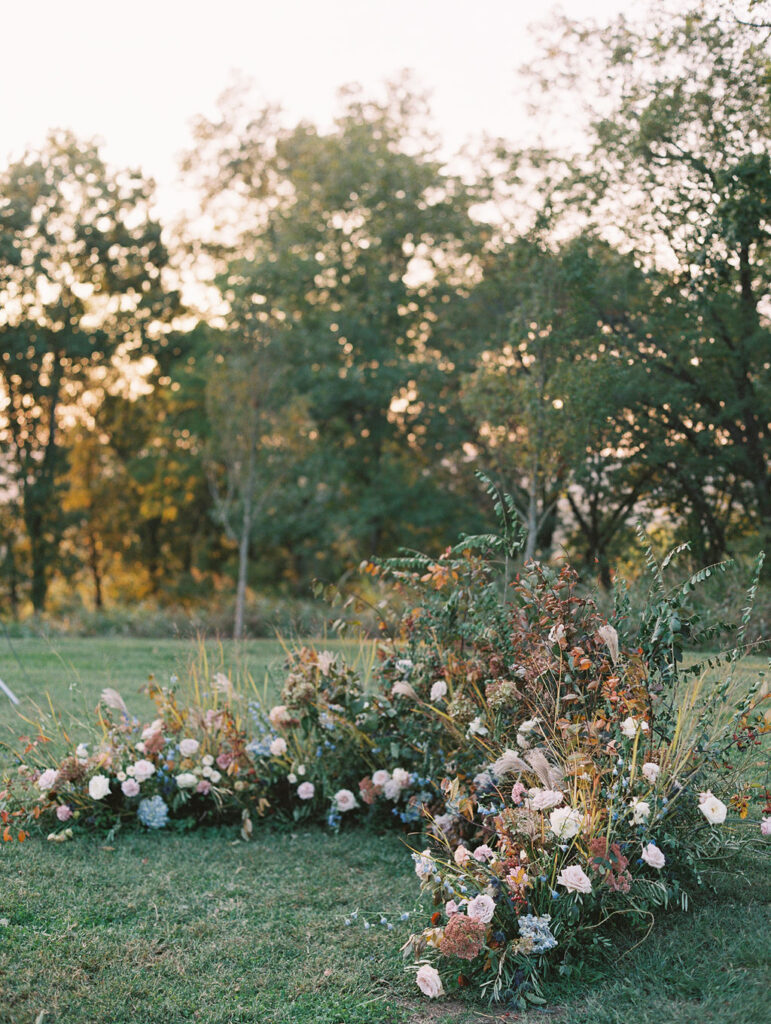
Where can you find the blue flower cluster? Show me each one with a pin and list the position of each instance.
(537, 929)
(153, 812)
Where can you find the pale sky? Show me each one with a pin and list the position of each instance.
(135, 74)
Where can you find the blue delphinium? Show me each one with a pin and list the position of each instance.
(537, 929)
(153, 812)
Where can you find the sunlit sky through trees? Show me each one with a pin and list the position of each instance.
(135, 75)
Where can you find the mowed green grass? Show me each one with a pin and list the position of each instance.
(203, 927)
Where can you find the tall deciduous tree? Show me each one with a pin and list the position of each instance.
(81, 261)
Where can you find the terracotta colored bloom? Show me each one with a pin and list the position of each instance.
(463, 937)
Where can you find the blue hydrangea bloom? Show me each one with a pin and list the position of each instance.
(537, 929)
(153, 812)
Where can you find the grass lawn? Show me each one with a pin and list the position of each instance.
(202, 927)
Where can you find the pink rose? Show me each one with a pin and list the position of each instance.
(203, 787)
(130, 787)
(306, 790)
(483, 853)
(64, 812)
(574, 879)
(765, 827)
(224, 760)
(517, 793)
(429, 982)
(481, 908)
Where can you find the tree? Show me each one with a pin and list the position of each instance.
(354, 238)
(257, 425)
(677, 168)
(81, 261)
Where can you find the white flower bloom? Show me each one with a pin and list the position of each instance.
(306, 790)
(556, 633)
(142, 770)
(207, 760)
(121, 776)
(650, 772)
(81, 752)
(291, 778)
(345, 800)
(47, 780)
(565, 822)
(188, 747)
(641, 811)
(279, 716)
(630, 726)
(438, 690)
(140, 747)
(401, 777)
(215, 777)
(392, 790)
(653, 856)
(404, 666)
(152, 729)
(98, 787)
(481, 908)
(543, 799)
(186, 780)
(206, 771)
(476, 728)
(278, 747)
(714, 810)
(429, 982)
(380, 777)
(301, 769)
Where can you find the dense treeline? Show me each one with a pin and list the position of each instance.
(351, 328)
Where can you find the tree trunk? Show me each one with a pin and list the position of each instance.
(243, 548)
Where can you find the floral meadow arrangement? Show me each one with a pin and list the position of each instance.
(567, 772)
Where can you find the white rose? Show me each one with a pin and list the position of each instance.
(142, 770)
(543, 799)
(429, 982)
(47, 780)
(186, 780)
(650, 772)
(98, 787)
(188, 747)
(392, 790)
(438, 690)
(152, 729)
(574, 879)
(291, 778)
(345, 800)
(306, 790)
(714, 810)
(380, 777)
(653, 856)
(278, 747)
(207, 760)
(215, 777)
(401, 777)
(565, 822)
(630, 726)
(641, 811)
(481, 908)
